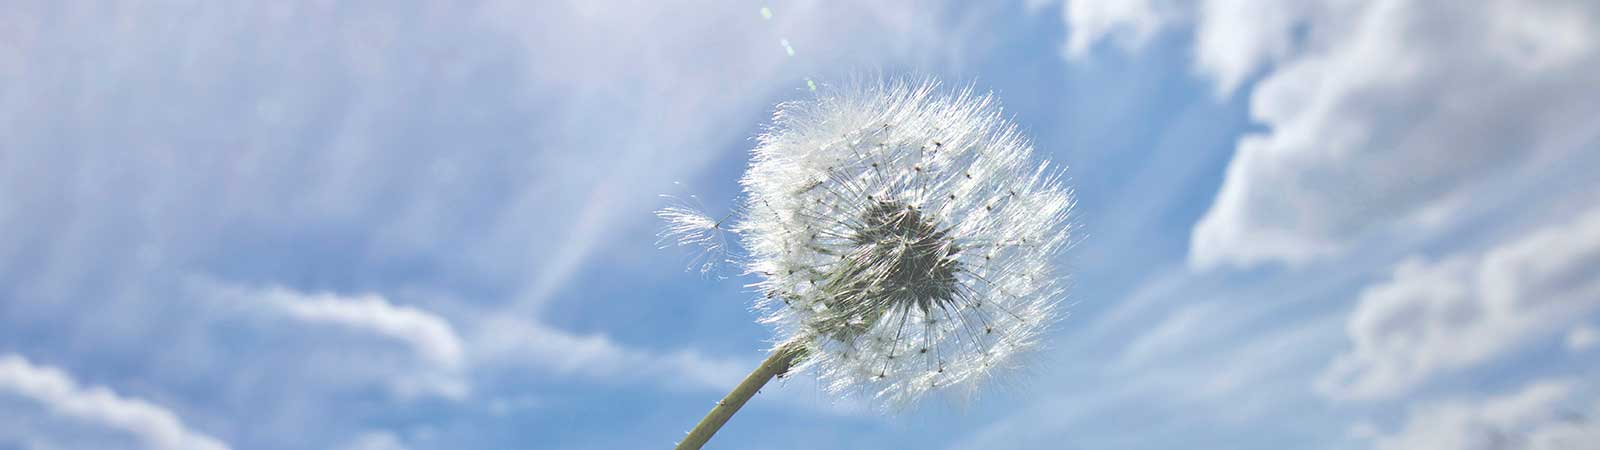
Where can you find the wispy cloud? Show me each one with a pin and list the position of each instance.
(433, 361)
(1582, 338)
(524, 344)
(429, 334)
(56, 392)
(1181, 353)
(445, 360)
(375, 440)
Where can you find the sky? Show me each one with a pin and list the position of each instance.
(419, 224)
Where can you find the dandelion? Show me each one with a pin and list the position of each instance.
(902, 237)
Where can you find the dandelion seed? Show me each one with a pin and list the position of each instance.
(687, 225)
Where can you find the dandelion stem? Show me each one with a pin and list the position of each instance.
(775, 365)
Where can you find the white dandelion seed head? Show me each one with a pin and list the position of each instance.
(904, 237)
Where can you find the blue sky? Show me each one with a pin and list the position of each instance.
(422, 224)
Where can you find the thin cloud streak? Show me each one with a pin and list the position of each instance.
(96, 406)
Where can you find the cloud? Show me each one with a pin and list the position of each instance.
(505, 345)
(429, 334)
(1236, 38)
(1543, 415)
(362, 329)
(268, 367)
(1176, 332)
(1582, 338)
(1199, 362)
(432, 362)
(1467, 309)
(1382, 118)
(275, 367)
(443, 360)
(375, 440)
(1215, 393)
(57, 393)
(1393, 118)
(1129, 23)
(521, 344)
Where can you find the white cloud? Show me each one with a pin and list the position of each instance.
(1382, 117)
(1467, 309)
(59, 394)
(375, 440)
(1130, 23)
(1224, 386)
(522, 347)
(429, 334)
(519, 343)
(1363, 430)
(1183, 352)
(1393, 118)
(433, 361)
(1236, 38)
(1177, 332)
(1543, 415)
(1233, 38)
(1582, 338)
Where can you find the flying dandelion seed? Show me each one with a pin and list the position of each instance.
(903, 238)
(689, 226)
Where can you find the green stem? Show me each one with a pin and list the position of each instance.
(775, 365)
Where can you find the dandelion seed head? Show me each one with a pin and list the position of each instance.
(904, 236)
